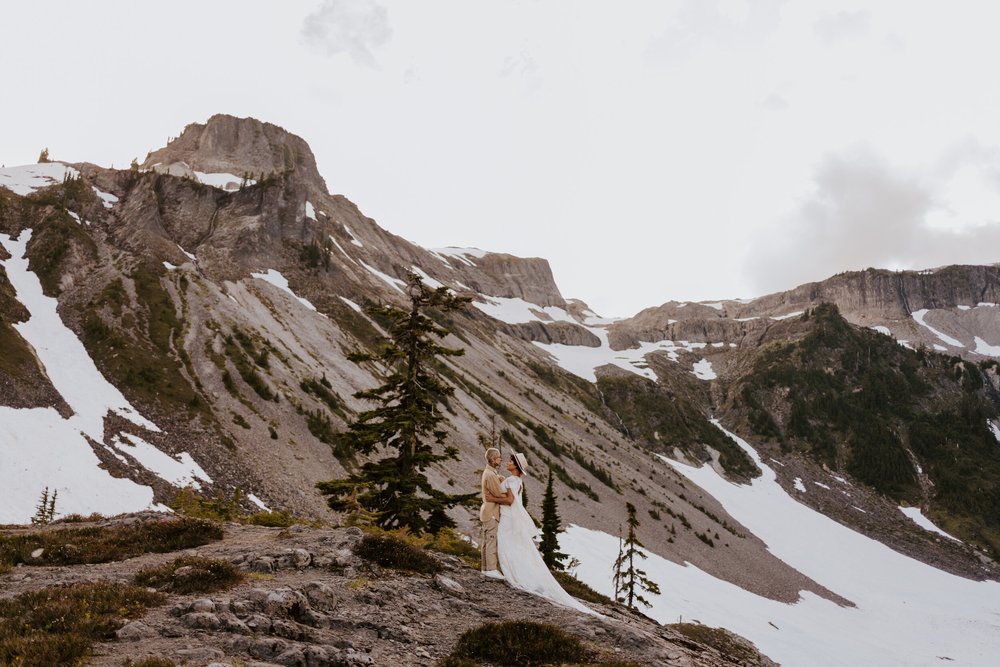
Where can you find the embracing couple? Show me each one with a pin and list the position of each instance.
(507, 547)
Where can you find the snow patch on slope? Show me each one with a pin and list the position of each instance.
(985, 349)
(222, 180)
(38, 447)
(394, 283)
(919, 316)
(179, 471)
(907, 613)
(918, 518)
(27, 178)
(279, 281)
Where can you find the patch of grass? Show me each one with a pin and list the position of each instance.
(240, 348)
(578, 589)
(519, 643)
(134, 345)
(57, 626)
(102, 544)
(322, 389)
(190, 574)
(187, 502)
(447, 541)
(718, 639)
(79, 518)
(278, 519)
(452, 661)
(151, 662)
(389, 551)
(358, 583)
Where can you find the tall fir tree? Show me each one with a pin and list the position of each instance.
(630, 581)
(406, 422)
(549, 545)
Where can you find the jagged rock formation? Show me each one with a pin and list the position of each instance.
(225, 144)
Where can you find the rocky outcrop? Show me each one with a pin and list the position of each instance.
(563, 333)
(238, 146)
(309, 601)
(879, 294)
(499, 274)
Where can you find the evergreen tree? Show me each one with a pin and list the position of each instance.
(45, 511)
(549, 546)
(630, 581)
(407, 421)
(43, 157)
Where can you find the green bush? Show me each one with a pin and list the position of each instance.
(278, 519)
(198, 575)
(389, 551)
(57, 626)
(520, 643)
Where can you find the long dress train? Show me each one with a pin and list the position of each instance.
(520, 561)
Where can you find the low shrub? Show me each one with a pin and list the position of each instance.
(578, 589)
(189, 503)
(390, 551)
(452, 661)
(447, 541)
(190, 574)
(57, 626)
(519, 643)
(101, 544)
(719, 639)
(279, 519)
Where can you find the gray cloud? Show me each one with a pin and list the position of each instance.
(841, 26)
(702, 22)
(863, 215)
(355, 27)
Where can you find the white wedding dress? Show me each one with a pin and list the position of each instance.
(520, 561)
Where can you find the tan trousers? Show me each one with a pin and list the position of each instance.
(488, 546)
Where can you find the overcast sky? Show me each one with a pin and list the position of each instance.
(689, 150)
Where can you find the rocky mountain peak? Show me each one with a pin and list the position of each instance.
(238, 146)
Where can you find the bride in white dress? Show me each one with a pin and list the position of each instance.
(520, 561)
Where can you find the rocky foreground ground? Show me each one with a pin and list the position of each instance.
(308, 600)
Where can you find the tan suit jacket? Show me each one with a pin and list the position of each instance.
(490, 485)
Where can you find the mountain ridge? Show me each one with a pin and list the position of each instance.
(217, 308)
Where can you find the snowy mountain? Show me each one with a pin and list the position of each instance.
(817, 470)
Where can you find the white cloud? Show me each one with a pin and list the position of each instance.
(842, 26)
(355, 27)
(864, 213)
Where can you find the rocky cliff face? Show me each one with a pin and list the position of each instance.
(238, 146)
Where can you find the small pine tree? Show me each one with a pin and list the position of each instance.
(630, 581)
(45, 511)
(43, 157)
(549, 546)
(408, 420)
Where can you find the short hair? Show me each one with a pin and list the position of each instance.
(491, 452)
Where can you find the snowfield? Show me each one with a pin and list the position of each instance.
(906, 613)
(26, 179)
(582, 360)
(38, 447)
